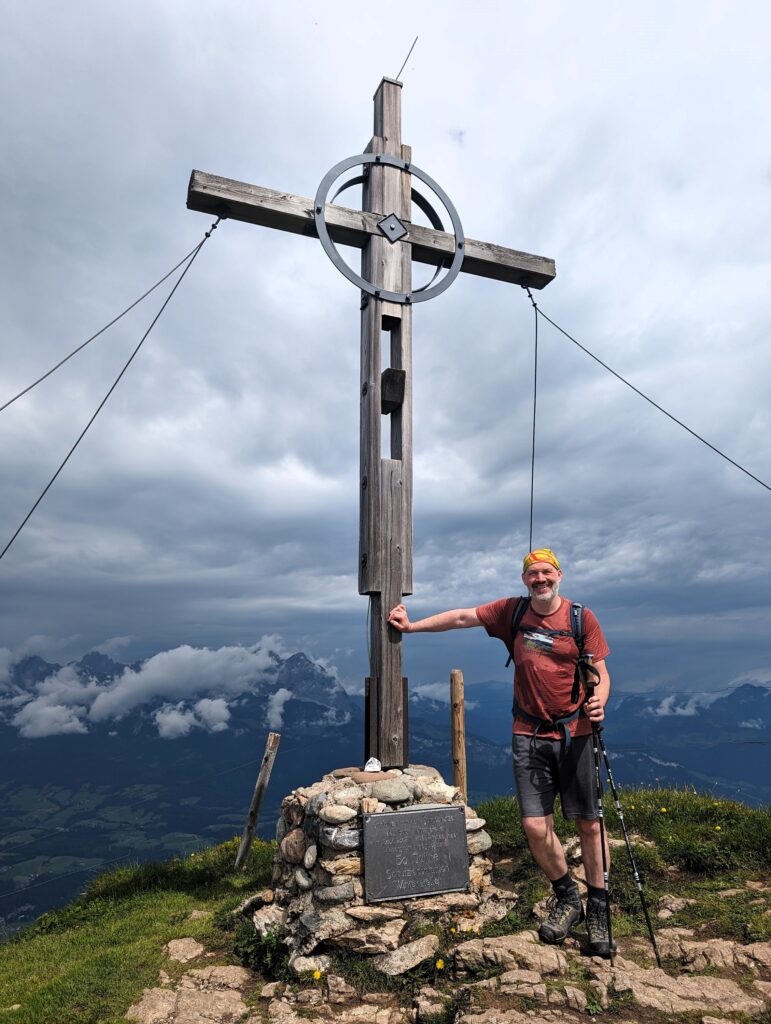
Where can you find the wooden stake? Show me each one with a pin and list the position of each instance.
(458, 729)
(271, 749)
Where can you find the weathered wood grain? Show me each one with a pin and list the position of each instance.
(263, 778)
(385, 510)
(387, 641)
(370, 420)
(385, 518)
(208, 193)
(371, 718)
(458, 732)
(387, 105)
(401, 434)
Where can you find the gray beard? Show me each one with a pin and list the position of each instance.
(547, 595)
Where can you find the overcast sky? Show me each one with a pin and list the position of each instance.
(214, 501)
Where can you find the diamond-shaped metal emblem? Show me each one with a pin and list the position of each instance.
(392, 227)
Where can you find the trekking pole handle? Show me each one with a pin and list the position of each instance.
(589, 674)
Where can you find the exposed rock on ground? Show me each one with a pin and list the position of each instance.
(317, 906)
(525, 970)
(211, 995)
(184, 950)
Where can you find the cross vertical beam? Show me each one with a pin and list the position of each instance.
(385, 523)
(385, 519)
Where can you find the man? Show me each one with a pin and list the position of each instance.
(551, 742)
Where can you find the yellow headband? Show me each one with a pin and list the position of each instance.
(540, 555)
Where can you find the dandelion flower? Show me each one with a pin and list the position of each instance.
(717, 828)
(663, 810)
(453, 931)
(316, 975)
(439, 965)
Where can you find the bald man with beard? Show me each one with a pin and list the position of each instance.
(551, 733)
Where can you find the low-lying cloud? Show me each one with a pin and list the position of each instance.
(695, 703)
(184, 671)
(176, 720)
(6, 660)
(36, 720)
(276, 708)
(65, 702)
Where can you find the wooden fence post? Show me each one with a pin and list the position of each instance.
(458, 730)
(271, 749)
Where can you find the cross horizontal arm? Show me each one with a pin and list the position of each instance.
(238, 200)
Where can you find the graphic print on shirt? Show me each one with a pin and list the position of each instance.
(536, 641)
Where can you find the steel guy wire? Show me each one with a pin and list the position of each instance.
(115, 383)
(103, 329)
(535, 396)
(540, 312)
(404, 65)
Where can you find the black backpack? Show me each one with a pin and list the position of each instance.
(576, 631)
(576, 625)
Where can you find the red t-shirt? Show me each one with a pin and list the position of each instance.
(544, 666)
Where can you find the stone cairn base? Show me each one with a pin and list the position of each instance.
(316, 902)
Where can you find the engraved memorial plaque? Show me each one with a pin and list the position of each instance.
(417, 851)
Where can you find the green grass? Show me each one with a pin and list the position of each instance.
(89, 961)
(702, 845)
(696, 832)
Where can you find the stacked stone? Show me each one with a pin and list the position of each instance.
(316, 902)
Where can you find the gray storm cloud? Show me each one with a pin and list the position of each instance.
(215, 499)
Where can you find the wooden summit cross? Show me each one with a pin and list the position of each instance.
(385, 521)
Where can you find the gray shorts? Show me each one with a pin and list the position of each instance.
(544, 768)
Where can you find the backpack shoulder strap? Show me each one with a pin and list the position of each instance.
(577, 625)
(577, 629)
(519, 612)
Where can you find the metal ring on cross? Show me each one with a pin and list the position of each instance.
(391, 227)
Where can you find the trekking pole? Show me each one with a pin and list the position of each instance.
(628, 842)
(590, 674)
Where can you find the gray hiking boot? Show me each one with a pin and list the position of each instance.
(597, 929)
(564, 912)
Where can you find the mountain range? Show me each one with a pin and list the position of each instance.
(97, 770)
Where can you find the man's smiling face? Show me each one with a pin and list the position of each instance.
(542, 580)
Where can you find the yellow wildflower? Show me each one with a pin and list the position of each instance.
(316, 975)
(663, 810)
(439, 965)
(453, 931)
(717, 828)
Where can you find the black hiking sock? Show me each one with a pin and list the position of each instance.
(596, 894)
(565, 887)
